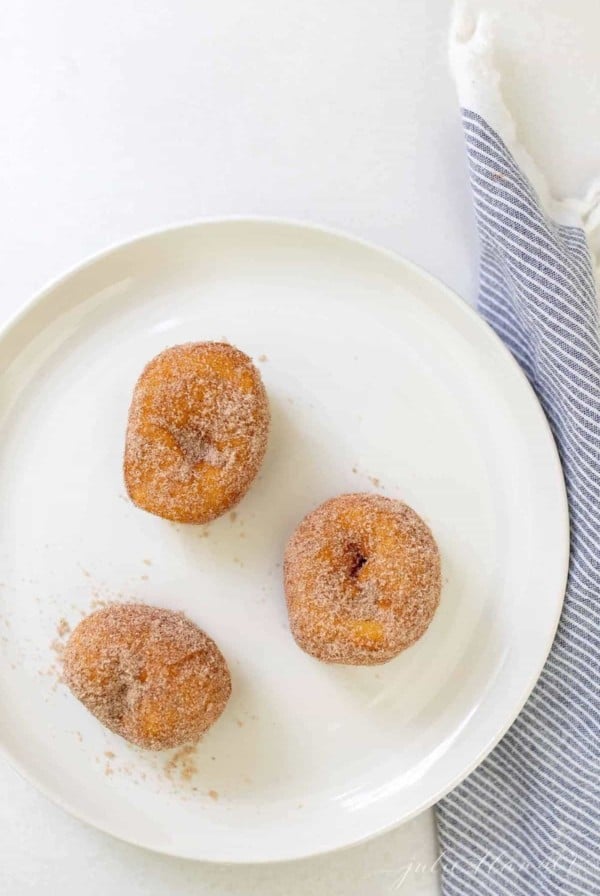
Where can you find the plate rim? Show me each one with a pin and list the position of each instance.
(462, 306)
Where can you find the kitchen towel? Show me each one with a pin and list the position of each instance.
(527, 821)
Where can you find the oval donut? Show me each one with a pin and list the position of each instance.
(197, 432)
(150, 675)
(362, 579)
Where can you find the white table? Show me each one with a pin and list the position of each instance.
(124, 116)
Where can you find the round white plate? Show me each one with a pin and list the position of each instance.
(379, 380)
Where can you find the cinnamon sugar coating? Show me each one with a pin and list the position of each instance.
(197, 432)
(362, 579)
(150, 675)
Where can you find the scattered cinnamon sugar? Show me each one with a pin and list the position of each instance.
(233, 516)
(362, 579)
(374, 480)
(54, 670)
(262, 358)
(197, 432)
(213, 794)
(147, 561)
(109, 754)
(182, 764)
(58, 647)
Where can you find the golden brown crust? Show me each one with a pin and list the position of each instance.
(362, 579)
(150, 675)
(197, 432)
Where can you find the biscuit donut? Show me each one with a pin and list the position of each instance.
(197, 432)
(150, 675)
(362, 579)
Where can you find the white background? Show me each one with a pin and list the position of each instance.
(128, 115)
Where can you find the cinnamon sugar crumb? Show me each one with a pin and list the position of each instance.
(58, 647)
(213, 794)
(63, 628)
(182, 764)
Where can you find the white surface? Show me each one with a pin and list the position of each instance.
(379, 379)
(119, 117)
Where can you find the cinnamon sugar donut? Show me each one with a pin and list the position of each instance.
(197, 432)
(362, 579)
(150, 675)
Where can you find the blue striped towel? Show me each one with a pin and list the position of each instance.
(527, 821)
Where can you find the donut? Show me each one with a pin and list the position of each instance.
(150, 675)
(362, 579)
(197, 432)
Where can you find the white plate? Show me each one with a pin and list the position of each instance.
(379, 379)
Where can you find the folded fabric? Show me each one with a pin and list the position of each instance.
(527, 821)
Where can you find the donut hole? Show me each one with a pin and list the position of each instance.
(362, 579)
(197, 432)
(148, 674)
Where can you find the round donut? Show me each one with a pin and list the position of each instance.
(150, 675)
(362, 579)
(197, 432)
